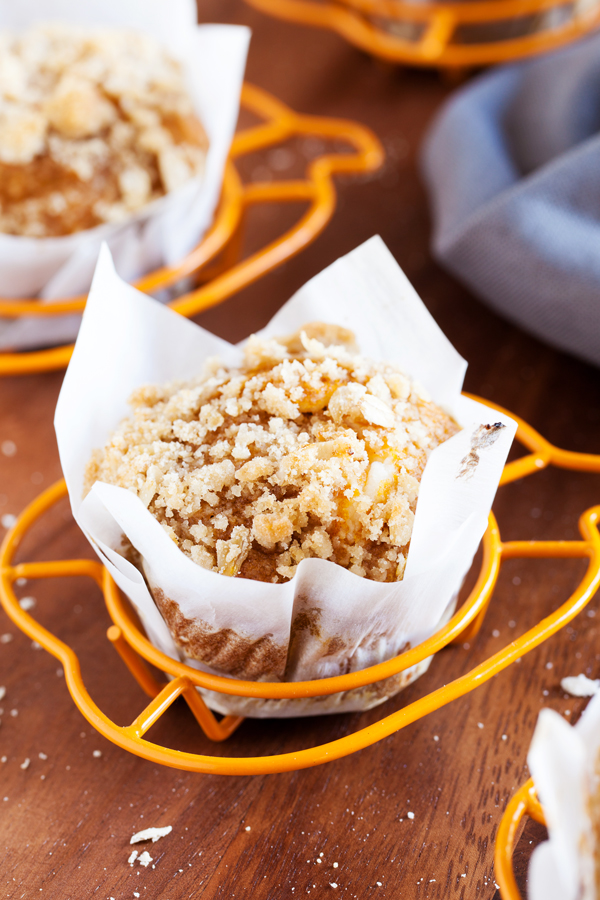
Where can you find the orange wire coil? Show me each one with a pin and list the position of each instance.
(136, 651)
(447, 35)
(523, 803)
(279, 124)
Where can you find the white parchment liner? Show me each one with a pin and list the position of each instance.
(213, 58)
(325, 621)
(563, 761)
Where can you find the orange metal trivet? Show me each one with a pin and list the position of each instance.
(524, 802)
(134, 647)
(447, 35)
(224, 237)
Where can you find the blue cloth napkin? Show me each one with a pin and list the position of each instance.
(512, 163)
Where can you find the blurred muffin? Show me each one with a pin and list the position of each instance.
(94, 125)
(306, 450)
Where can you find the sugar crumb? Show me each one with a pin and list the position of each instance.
(151, 834)
(27, 603)
(580, 685)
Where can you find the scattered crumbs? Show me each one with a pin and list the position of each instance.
(97, 754)
(580, 685)
(549, 665)
(43, 755)
(591, 613)
(9, 448)
(410, 815)
(26, 762)
(42, 777)
(379, 884)
(68, 768)
(60, 673)
(5, 798)
(512, 624)
(14, 713)
(335, 865)
(480, 724)
(6, 638)
(436, 737)
(135, 894)
(145, 859)
(431, 880)
(3, 759)
(321, 855)
(132, 857)
(545, 693)
(27, 603)
(318, 860)
(567, 712)
(35, 645)
(516, 581)
(151, 834)
(2, 693)
(495, 633)
(466, 646)
(247, 828)
(8, 520)
(504, 737)
(332, 884)
(20, 582)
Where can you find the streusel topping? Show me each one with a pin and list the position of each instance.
(94, 125)
(306, 450)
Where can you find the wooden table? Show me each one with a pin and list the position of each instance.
(67, 818)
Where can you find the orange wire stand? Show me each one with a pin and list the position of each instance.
(136, 650)
(223, 239)
(524, 802)
(446, 35)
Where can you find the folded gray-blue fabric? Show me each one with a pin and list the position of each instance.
(512, 163)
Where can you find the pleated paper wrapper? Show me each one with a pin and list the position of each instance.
(564, 762)
(326, 620)
(213, 58)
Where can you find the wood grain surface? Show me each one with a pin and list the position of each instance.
(66, 819)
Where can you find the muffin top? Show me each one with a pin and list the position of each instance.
(94, 125)
(306, 450)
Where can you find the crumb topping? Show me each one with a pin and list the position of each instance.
(306, 450)
(94, 125)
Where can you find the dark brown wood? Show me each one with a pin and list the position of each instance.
(65, 821)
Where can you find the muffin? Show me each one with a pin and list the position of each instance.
(95, 124)
(306, 450)
(290, 465)
(564, 761)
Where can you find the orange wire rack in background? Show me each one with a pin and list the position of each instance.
(136, 651)
(223, 238)
(447, 35)
(524, 802)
